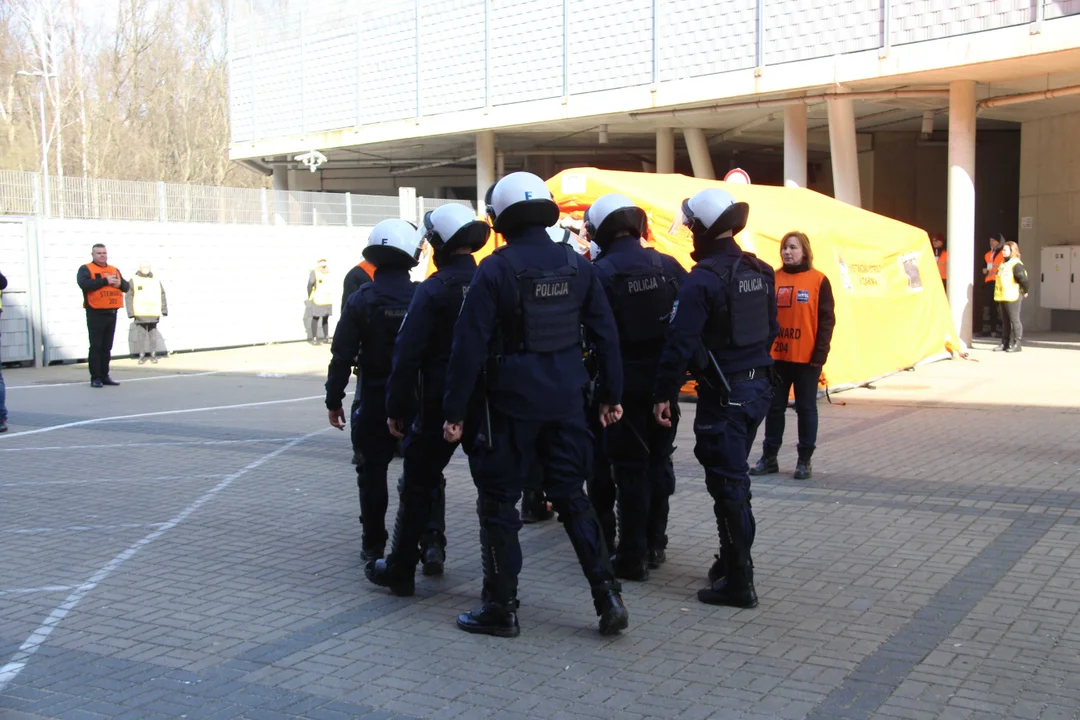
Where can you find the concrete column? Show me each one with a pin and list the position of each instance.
(700, 159)
(665, 150)
(281, 186)
(485, 165)
(961, 216)
(795, 146)
(844, 150)
(545, 166)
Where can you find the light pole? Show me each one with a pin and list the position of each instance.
(43, 76)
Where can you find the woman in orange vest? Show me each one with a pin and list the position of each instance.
(942, 257)
(805, 312)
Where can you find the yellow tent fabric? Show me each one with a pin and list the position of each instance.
(891, 309)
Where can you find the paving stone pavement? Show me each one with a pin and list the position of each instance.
(205, 563)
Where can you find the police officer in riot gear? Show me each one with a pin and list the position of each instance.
(727, 307)
(419, 378)
(367, 328)
(522, 320)
(641, 285)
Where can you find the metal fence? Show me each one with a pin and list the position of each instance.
(22, 193)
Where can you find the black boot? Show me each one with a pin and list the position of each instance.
(583, 527)
(630, 569)
(719, 567)
(534, 507)
(657, 557)
(492, 618)
(614, 617)
(432, 552)
(735, 589)
(372, 548)
(767, 465)
(397, 572)
(803, 469)
(498, 614)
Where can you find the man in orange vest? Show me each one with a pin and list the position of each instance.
(103, 294)
(992, 261)
(937, 240)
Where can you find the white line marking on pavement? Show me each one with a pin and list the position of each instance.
(75, 383)
(30, 646)
(95, 421)
(149, 444)
(46, 589)
(77, 528)
(36, 483)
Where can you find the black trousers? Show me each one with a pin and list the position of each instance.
(1012, 330)
(100, 326)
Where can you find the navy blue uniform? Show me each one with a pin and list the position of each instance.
(640, 284)
(525, 330)
(415, 388)
(739, 330)
(366, 331)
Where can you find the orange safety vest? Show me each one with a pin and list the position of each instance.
(108, 297)
(993, 262)
(797, 297)
(943, 264)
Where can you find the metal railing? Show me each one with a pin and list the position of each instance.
(22, 193)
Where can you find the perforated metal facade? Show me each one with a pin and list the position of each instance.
(335, 64)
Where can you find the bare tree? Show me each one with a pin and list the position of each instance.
(144, 97)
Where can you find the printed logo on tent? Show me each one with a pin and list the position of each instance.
(783, 296)
(802, 296)
(910, 265)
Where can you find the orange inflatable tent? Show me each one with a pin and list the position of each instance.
(891, 309)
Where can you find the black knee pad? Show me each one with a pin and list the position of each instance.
(489, 509)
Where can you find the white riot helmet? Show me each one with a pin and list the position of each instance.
(454, 226)
(394, 243)
(613, 214)
(710, 213)
(521, 199)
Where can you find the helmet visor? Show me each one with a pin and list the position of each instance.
(684, 218)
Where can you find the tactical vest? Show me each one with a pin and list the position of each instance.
(740, 314)
(643, 299)
(455, 288)
(146, 296)
(105, 298)
(382, 320)
(797, 296)
(547, 316)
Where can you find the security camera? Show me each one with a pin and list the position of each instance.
(311, 159)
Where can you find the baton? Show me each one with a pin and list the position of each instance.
(719, 372)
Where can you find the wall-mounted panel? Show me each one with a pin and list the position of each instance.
(806, 29)
(1060, 8)
(451, 55)
(699, 39)
(526, 50)
(610, 44)
(388, 61)
(277, 74)
(918, 20)
(240, 108)
(330, 57)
